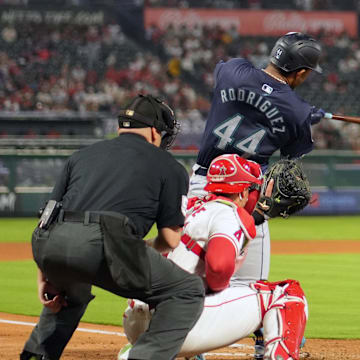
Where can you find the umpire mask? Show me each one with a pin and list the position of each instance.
(146, 110)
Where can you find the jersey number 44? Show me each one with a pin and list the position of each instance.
(226, 130)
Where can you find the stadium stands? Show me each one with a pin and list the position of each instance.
(66, 71)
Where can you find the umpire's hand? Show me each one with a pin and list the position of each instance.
(49, 296)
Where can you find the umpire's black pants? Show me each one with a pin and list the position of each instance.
(72, 257)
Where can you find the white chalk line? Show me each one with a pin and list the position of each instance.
(228, 354)
(94, 331)
(105, 332)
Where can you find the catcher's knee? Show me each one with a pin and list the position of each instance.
(284, 311)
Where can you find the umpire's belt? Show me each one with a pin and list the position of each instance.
(201, 171)
(79, 216)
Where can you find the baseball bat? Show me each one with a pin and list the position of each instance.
(352, 119)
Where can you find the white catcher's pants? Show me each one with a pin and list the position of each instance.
(257, 263)
(228, 316)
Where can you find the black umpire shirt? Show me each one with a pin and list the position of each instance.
(127, 175)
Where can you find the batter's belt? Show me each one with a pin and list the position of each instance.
(201, 171)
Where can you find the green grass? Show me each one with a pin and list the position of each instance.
(16, 229)
(20, 229)
(315, 228)
(332, 288)
(330, 281)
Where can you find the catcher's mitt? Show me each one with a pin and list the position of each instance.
(291, 191)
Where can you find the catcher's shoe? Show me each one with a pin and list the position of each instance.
(303, 341)
(197, 357)
(124, 352)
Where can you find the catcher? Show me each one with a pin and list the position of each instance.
(216, 235)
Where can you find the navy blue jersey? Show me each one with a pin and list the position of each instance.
(252, 114)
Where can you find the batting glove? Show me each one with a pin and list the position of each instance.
(316, 115)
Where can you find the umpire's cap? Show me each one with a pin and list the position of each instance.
(148, 111)
(295, 51)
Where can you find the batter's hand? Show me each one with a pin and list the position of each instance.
(316, 115)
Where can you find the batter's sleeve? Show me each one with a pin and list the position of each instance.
(218, 67)
(173, 197)
(302, 143)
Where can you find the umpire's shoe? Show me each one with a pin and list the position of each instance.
(26, 355)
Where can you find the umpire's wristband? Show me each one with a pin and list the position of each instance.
(259, 218)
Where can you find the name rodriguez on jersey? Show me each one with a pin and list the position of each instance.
(259, 102)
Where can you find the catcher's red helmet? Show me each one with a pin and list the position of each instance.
(231, 174)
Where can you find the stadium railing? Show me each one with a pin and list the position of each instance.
(28, 175)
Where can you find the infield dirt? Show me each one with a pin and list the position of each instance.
(22, 251)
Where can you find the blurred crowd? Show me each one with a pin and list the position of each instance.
(97, 68)
(82, 68)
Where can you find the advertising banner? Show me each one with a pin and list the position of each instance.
(27, 178)
(257, 22)
(54, 17)
(334, 202)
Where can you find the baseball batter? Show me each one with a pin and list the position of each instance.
(255, 113)
(216, 234)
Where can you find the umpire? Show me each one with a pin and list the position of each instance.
(91, 233)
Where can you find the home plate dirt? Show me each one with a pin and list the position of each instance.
(92, 341)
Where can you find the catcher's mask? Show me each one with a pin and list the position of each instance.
(231, 174)
(149, 111)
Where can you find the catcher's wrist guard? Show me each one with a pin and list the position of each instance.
(258, 217)
(291, 190)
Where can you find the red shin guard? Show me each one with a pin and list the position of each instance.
(284, 311)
